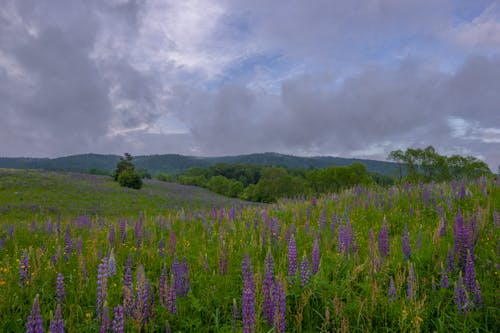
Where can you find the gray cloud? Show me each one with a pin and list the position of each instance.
(345, 78)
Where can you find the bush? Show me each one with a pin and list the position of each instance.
(130, 178)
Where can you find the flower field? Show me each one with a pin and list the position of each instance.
(411, 258)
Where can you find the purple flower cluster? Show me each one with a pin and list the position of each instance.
(181, 273)
(346, 240)
(112, 264)
(118, 323)
(60, 290)
(460, 296)
(292, 257)
(122, 224)
(405, 241)
(267, 285)
(411, 290)
(57, 322)
(280, 307)
(383, 240)
(315, 257)
(102, 286)
(305, 271)
(35, 320)
(248, 296)
(24, 269)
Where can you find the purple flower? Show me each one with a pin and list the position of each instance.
(292, 257)
(102, 286)
(60, 290)
(112, 264)
(57, 322)
(68, 244)
(478, 296)
(24, 269)
(118, 323)
(248, 296)
(445, 283)
(267, 284)
(122, 224)
(450, 261)
(223, 261)
(172, 296)
(460, 296)
(405, 240)
(315, 257)
(143, 300)
(383, 240)
(35, 321)
(411, 291)
(105, 322)
(470, 274)
(305, 271)
(161, 248)
(139, 232)
(280, 307)
(391, 293)
(112, 236)
(163, 287)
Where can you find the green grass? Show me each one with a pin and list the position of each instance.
(28, 194)
(349, 293)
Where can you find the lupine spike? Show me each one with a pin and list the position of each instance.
(35, 320)
(57, 322)
(405, 240)
(102, 286)
(24, 269)
(305, 271)
(267, 284)
(391, 293)
(315, 257)
(60, 290)
(280, 307)
(118, 323)
(248, 296)
(292, 257)
(383, 240)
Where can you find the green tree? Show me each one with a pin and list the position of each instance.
(130, 178)
(123, 164)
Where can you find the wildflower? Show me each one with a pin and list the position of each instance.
(112, 264)
(60, 290)
(248, 296)
(305, 271)
(405, 240)
(280, 307)
(292, 257)
(445, 283)
(460, 296)
(118, 323)
(102, 286)
(392, 291)
(383, 240)
(23, 269)
(35, 320)
(267, 284)
(315, 257)
(411, 290)
(57, 322)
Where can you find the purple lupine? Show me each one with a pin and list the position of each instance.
(79, 246)
(68, 244)
(313, 201)
(35, 320)
(163, 287)
(267, 284)
(460, 240)
(223, 261)
(322, 219)
(391, 293)
(112, 236)
(57, 322)
(102, 286)
(315, 257)
(411, 290)
(383, 240)
(444, 282)
(138, 232)
(161, 248)
(122, 224)
(405, 241)
(442, 227)
(172, 242)
(450, 261)
(477, 295)
(60, 290)
(248, 296)
(460, 296)
(24, 269)
(470, 274)
(118, 323)
(305, 271)
(105, 322)
(292, 257)
(280, 307)
(172, 297)
(346, 240)
(143, 300)
(112, 264)
(236, 316)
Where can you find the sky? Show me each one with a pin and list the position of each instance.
(356, 78)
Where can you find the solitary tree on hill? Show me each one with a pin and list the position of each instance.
(125, 173)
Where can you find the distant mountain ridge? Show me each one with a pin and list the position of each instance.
(174, 163)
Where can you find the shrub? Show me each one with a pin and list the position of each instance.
(130, 178)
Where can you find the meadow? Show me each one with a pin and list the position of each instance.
(77, 251)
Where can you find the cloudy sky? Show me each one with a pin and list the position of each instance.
(213, 77)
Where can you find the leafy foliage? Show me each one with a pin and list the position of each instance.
(129, 178)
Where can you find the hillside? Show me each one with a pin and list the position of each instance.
(29, 193)
(173, 163)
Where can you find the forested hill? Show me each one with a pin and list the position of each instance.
(173, 163)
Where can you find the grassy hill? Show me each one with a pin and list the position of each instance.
(173, 163)
(30, 193)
